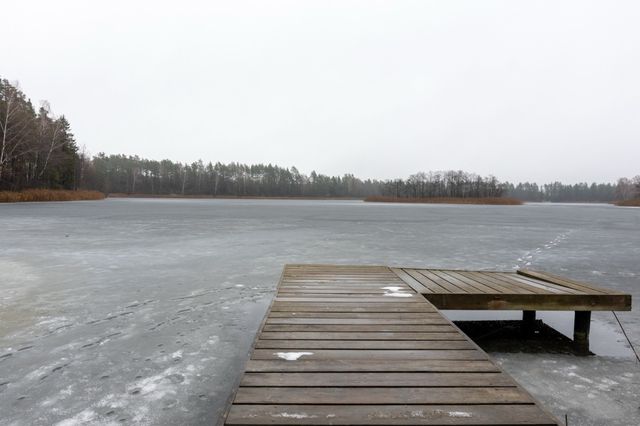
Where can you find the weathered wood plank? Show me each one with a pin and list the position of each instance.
(351, 307)
(508, 287)
(349, 299)
(565, 282)
(515, 286)
(385, 379)
(381, 315)
(433, 286)
(358, 292)
(536, 286)
(356, 327)
(404, 395)
(470, 286)
(443, 333)
(378, 354)
(410, 281)
(363, 321)
(244, 414)
(433, 276)
(359, 365)
(363, 344)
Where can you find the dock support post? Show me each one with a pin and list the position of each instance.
(581, 327)
(528, 322)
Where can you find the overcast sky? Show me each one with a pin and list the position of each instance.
(523, 90)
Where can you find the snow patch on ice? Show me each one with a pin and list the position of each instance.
(81, 418)
(140, 415)
(112, 401)
(606, 384)
(63, 394)
(292, 356)
(151, 389)
(577, 376)
(156, 387)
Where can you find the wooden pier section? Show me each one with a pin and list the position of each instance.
(523, 290)
(360, 345)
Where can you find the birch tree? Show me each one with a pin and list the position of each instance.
(16, 125)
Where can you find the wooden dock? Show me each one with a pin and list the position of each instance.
(360, 345)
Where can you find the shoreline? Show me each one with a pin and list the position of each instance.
(51, 195)
(226, 197)
(501, 201)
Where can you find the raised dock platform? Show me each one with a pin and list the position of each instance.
(360, 345)
(523, 290)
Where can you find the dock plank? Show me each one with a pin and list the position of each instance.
(347, 365)
(378, 379)
(250, 414)
(363, 344)
(404, 395)
(443, 333)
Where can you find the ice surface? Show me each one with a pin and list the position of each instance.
(146, 312)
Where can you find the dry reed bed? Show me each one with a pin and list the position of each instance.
(503, 201)
(48, 195)
(635, 202)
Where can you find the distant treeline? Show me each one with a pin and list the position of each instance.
(452, 184)
(38, 150)
(579, 192)
(461, 184)
(131, 175)
(122, 174)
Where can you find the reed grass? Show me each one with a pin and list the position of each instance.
(634, 202)
(506, 201)
(29, 195)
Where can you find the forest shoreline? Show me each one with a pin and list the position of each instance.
(499, 201)
(228, 197)
(44, 195)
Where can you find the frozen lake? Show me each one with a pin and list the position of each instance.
(141, 311)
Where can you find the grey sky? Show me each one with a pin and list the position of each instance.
(524, 90)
